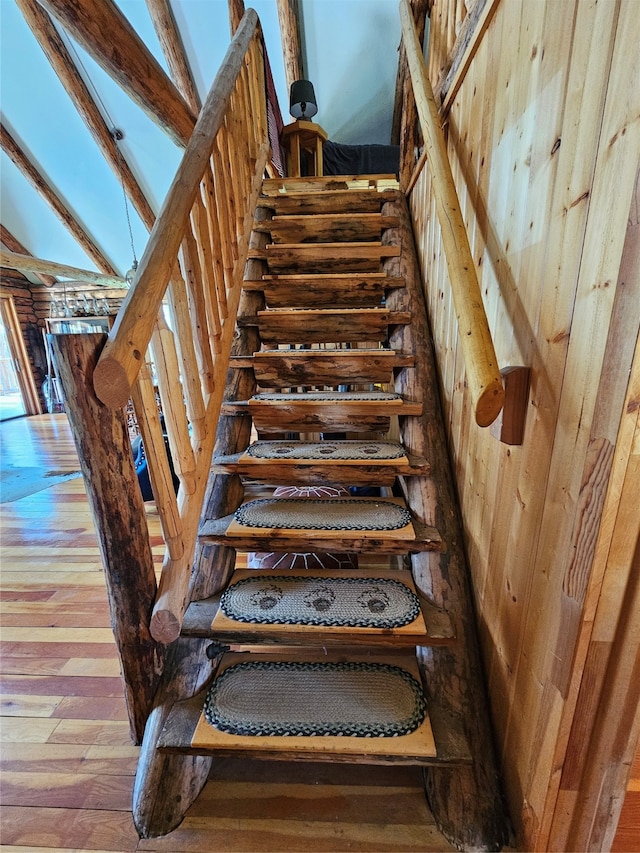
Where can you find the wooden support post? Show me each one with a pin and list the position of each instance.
(104, 448)
(166, 785)
(466, 800)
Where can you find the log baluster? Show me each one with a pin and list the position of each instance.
(165, 359)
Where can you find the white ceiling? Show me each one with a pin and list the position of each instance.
(351, 55)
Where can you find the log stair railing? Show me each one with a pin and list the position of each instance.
(307, 387)
(296, 314)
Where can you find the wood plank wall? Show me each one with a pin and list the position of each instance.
(544, 141)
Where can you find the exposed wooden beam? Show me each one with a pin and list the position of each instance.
(15, 152)
(62, 63)
(101, 28)
(12, 244)
(236, 11)
(173, 49)
(14, 261)
(289, 18)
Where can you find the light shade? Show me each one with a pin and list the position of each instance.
(302, 99)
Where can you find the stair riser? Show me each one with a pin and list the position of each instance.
(338, 291)
(318, 541)
(338, 330)
(356, 202)
(311, 475)
(282, 423)
(291, 373)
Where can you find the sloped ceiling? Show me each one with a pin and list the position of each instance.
(350, 52)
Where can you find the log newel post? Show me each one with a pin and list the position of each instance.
(104, 448)
(466, 801)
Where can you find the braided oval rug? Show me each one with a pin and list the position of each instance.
(332, 514)
(310, 699)
(309, 600)
(347, 449)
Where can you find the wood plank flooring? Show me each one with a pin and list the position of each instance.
(66, 759)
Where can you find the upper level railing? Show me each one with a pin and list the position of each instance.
(192, 267)
(481, 364)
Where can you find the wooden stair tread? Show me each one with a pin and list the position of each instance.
(321, 251)
(357, 401)
(328, 201)
(325, 257)
(293, 470)
(411, 538)
(346, 364)
(281, 187)
(337, 412)
(325, 227)
(319, 290)
(205, 619)
(186, 730)
(325, 325)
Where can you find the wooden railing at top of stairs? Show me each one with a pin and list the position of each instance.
(481, 363)
(195, 259)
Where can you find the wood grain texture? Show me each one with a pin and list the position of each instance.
(323, 291)
(327, 326)
(126, 58)
(104, 449)
(533, 197)
(62, 63)
(15, 152)
(245, 805)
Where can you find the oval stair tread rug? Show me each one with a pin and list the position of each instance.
(331, 514)
(326, 396)
(348, 449)
(310, 699)
(304, 600)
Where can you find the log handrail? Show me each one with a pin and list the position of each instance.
(483, 375)
(192, 267)
(128, 340)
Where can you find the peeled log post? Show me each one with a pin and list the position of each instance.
(466, 801)
(167, 784)
(102, 440)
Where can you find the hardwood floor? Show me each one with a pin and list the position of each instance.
(66, 758)
(67, 761)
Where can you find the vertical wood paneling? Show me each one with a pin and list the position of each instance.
(542, 128)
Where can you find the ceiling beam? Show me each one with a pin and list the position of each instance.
(15, 152)
(289, 18)
(104, 32)
(64, 66)
(236, 11)
(12, 244)
(172, 46)
(14, 261)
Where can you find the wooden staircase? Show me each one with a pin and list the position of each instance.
(323, 360)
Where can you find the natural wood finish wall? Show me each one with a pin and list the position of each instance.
(542, 128)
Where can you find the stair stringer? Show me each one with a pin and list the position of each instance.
(166, 785)
(466, 801)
